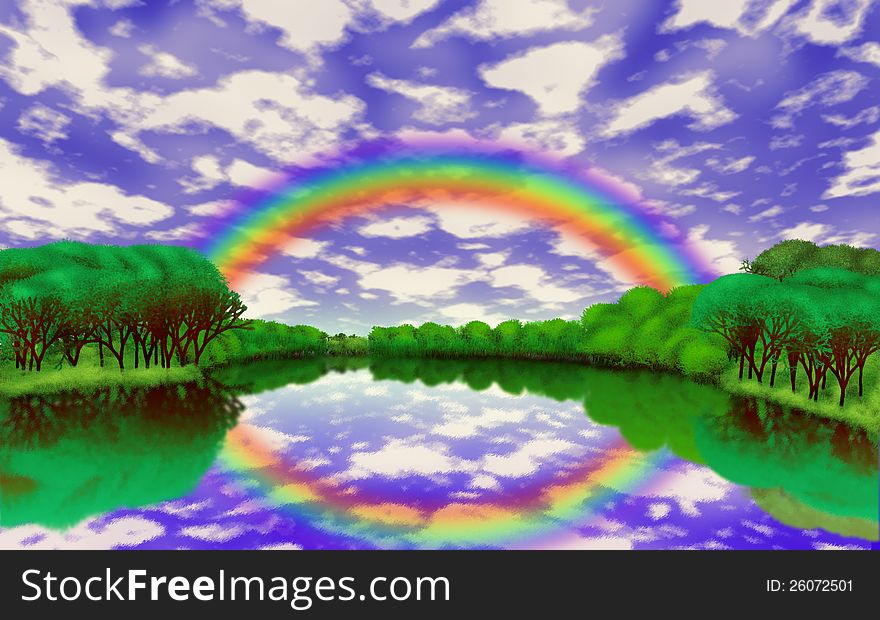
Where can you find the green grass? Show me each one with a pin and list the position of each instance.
(87, 376)
(16, 383)
(858, 412)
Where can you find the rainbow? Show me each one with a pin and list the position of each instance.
(532, 518)
(593, 208)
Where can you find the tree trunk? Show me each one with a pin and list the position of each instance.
(101, 353)
(792, 371)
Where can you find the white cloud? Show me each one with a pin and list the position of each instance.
(506, 18)
(534, 282)
(302, 27)
(746, 17)
(246, 174)
(868, 116)
(691, 486)
(116, 4)
(467, 424)
(90, 534)
(239, 172)
(721, 14)
(408, 283)
(559, 136)
(462, 313)
(468, 221)
(43, 123)
(29, 190)
(567, 244)
(319, 278)
(165, 65)
(483, 481)
(766, 214)
(122, 29)
(184, 231)
(711, 47)
(526, 459)
(730, 165)
(545, 73)
(492, 259)
(305, 248)
(722, 254)
(439, 105)
(44, 54)
(830, 22)
(691, 95)
(402, 10)
(827, 234)
(826, 90)
(398, 459)
(213, 208)
(267, 295)
(212, 532)
(808, 231)
(275, 113)
(862, 172)
(397, 227)
(305, 28)
(661, 169)
(710, 191)
(867, 52)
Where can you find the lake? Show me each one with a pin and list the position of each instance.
(398, 454)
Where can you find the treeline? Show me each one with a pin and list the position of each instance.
(645, 328)
(270, 340)
(788, 257)
(554, 339)
(820, 322)
(150, 304)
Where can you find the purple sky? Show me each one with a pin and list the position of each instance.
(743, 122)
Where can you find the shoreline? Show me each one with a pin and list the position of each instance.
(862, 415)
(15, 383)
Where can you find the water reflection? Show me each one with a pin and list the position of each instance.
(438, 453)
(70, 456)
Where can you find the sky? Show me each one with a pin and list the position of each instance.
(740, 123)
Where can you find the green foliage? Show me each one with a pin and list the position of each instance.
(828, 466)
(553, 339)
(824, 321)
(271, 340)
(647, 329)
(643, 329)
(341, 345)
(640, 302)
(791, 256)
(70, 456)
(783, 259)
(164, 303)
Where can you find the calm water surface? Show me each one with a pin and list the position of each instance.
(430, 454)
